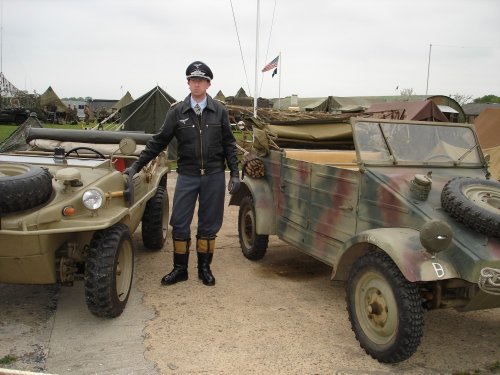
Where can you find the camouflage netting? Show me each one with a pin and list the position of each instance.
(17, 140)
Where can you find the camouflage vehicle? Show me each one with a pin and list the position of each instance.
(409, 220)
(67, 212)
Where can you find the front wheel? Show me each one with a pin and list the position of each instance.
(384, 308)
(108, 271)
(253, 245)
(155, 220)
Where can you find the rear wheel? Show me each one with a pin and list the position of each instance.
(108, 271)
(253, 245)
(155, 220)
(384, 308)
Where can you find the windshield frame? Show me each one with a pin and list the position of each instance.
(390, 157)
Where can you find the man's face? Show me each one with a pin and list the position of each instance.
(198, 86)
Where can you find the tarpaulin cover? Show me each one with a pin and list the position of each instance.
(17, 140)
(488, 127)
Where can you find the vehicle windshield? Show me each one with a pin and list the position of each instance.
(420, 144)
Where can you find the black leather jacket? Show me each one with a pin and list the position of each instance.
(202, 147)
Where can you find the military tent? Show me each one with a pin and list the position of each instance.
(49, 98)
(321, 104)
(488, 130)
(220, 96)
(242, 99)
(147, 112)
(419, 110)
(125, 100)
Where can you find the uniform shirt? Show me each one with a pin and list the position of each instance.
(202, 104)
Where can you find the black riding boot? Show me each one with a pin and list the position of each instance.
(181, 259)
(205, 248)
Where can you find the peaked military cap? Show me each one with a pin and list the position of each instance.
(199, 69)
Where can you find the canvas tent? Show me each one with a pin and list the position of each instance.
(419, 110)
(125, 100)
(147, 112)
(220, 96)
(49, 97)
(242, 99)
(488, 131)
(304, 104)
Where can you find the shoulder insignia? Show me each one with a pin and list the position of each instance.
(175, 103)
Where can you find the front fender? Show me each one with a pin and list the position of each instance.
(404, 247)
(262, 195)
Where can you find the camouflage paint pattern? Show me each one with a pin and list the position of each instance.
(336, 213)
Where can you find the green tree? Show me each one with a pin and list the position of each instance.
(488, 99)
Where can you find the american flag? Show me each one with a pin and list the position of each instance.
(272, 65)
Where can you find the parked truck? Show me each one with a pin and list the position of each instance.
(408, 218)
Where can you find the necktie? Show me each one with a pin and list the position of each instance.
(197, 110)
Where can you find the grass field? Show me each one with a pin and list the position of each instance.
(7, 129)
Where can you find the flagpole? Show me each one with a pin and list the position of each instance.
(256, 60)
(279, 84)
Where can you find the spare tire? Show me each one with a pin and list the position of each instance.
(23, 186)
(474, 202)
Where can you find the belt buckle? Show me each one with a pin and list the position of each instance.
(202, 172)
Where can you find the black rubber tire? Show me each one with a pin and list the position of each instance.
(392, 332)
(253, 245)
(109, 270)
(155, 220)
(475, 203)
(23, 186)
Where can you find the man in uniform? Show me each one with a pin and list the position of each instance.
(205, 144)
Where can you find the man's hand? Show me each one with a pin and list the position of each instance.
(234, 185)
(132, 170)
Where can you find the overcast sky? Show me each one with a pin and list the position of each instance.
(104, 48)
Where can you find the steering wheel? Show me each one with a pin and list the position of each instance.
(445, 156)
(75, 150)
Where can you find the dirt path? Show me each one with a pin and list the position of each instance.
(282, 315)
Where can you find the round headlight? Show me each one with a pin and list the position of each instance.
(436, 236)
(92, 199)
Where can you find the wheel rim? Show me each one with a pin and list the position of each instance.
(376, 308)
(8, 169)
(484, 197)
(124, 269)
(248, 227)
